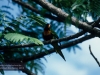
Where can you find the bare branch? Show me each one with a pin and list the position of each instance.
(94, 56)
(42, 54)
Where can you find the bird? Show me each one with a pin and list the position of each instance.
(49, 34)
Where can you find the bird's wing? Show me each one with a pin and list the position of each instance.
(55, 36)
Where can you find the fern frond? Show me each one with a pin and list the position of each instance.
(15, 37)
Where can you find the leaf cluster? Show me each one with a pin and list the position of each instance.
(21, 31)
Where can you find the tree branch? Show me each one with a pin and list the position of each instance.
(2, 48)
(45, 15)
(60, 13)
(37, 11)
(42, 54)
(94, 56)
(64, 15)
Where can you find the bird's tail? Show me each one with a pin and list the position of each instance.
(58, 50)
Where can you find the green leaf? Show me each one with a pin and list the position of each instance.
(15, 37)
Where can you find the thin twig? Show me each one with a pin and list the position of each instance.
(94, 56)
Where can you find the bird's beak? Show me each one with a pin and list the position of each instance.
(49, 26)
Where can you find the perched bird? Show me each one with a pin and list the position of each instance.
(48, 34)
